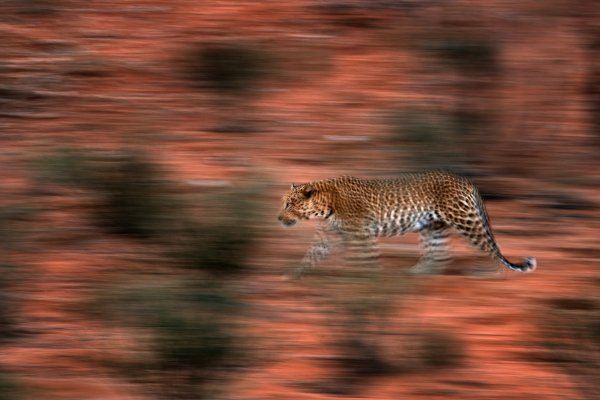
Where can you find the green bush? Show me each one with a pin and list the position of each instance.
(187, 317)
(423, 127)
(193, 344)
(9, 390)
(220, 250)
(189, 330)
(573, 318)
(221, 241)
(64, 166)
(9, 274)
(130, 197)
(571, 338)
(431, 139)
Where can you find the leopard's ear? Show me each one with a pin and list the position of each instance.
(308, 191)
(294, 186)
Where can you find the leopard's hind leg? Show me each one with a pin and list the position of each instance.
(434, 246)
(471, 221)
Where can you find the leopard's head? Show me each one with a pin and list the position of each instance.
(304, 202)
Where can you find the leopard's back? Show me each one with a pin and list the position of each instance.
(409, 202)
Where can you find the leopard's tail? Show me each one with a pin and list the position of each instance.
(526, 266)
(529, 263)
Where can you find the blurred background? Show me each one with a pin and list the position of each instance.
(145, 147)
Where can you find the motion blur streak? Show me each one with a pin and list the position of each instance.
(145, 148)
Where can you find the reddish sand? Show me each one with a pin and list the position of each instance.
(110, 75)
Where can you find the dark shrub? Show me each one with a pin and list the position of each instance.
(65, 166)
(9, 390)
(431, 139)
(228, 67)
(441, 349)
(131, 197)
(466, 55)
(221, 242)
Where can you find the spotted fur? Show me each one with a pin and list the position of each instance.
(357, 211)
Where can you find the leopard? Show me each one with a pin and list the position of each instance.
(356, 211)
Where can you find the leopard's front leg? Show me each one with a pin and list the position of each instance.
(324, 241)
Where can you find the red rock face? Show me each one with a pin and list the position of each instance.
(124, 251)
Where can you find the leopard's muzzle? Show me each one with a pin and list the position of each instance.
(286, 220)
